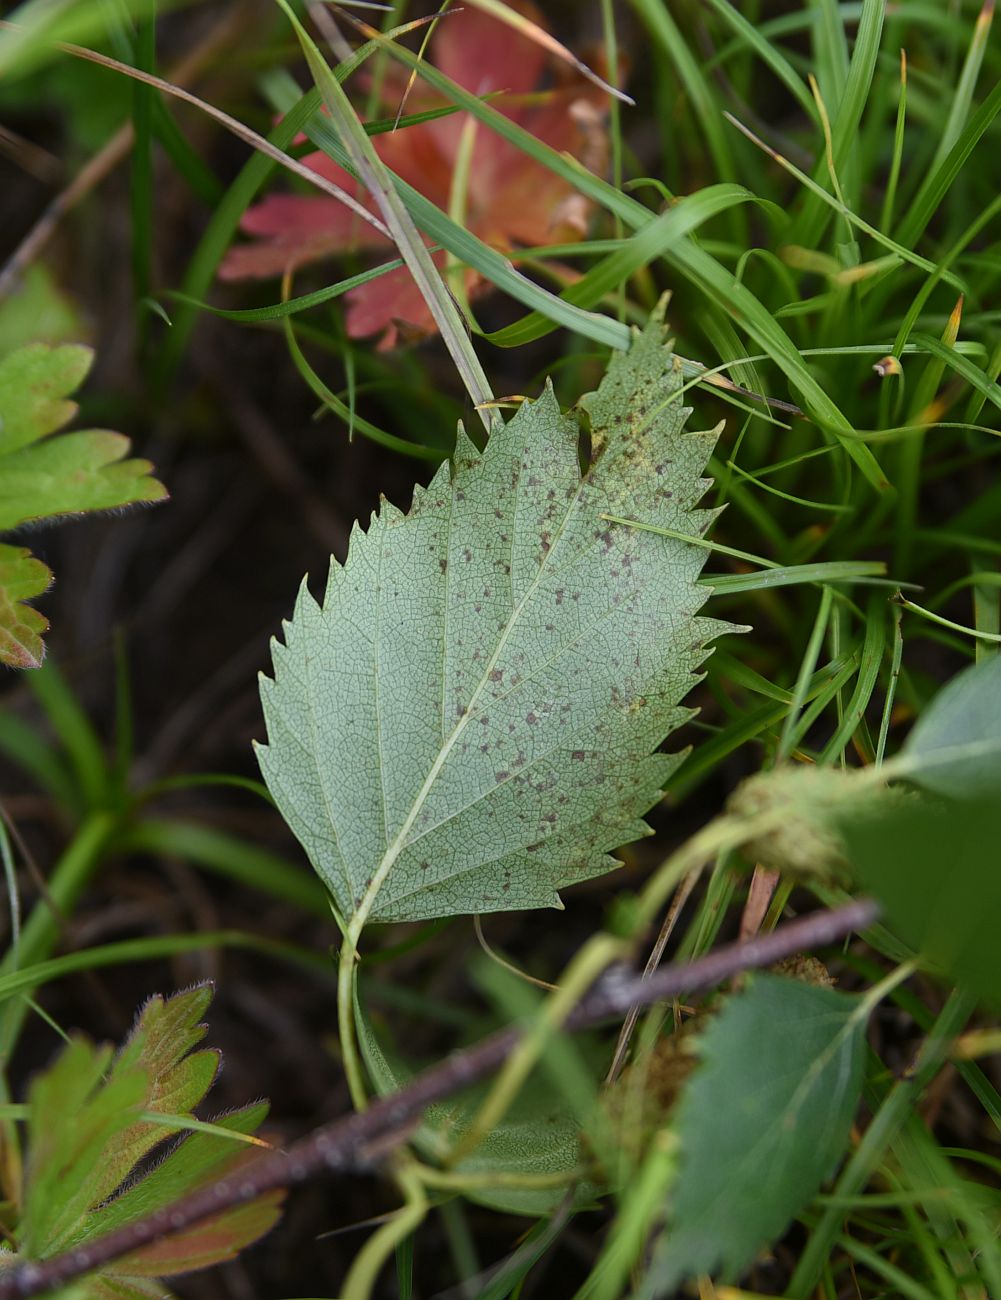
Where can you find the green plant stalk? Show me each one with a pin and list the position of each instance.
(719, 836)
(451, 1180)
(39, 933)
(805, 673)
(595, 956)
(644, 1199)
(880, 1133)
(369, 1261)
(404, 233)
(347, 971)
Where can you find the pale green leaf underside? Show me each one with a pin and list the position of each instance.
(467, 723)
(761, 1123)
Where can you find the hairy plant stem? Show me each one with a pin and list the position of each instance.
(363, 1141)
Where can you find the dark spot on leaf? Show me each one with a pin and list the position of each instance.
(497, 675)
(501, 776)
(578, 756)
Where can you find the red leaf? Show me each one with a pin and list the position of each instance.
(511, 200)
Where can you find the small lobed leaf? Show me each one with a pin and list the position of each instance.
(34, 384)
(197, 1161)
(86, 1139)
(72, 1117)
(72, 474)
(467, 723)
(161, 1046)
(954, 748)
(933, 866)
(761, 1122)
(43, 477)
(37, 311)
(21, 627)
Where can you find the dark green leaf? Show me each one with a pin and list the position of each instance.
(934, 867)
(954, 748)
(761, 1123)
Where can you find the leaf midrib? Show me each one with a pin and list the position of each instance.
(401, 840)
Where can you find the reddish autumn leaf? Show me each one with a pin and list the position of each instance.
(511, 200)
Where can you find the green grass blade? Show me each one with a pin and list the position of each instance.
(689, 71)
(351, 418)
(959, 109)
(379, 182)
(937, 183)
(291, 306)
(769, 53)
(653, 240)
(845, 124)
(229, 856)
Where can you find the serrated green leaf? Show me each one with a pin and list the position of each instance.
(954, 748)
(761, 1122)
(87, 1131)
(44, 477)
(467, 722)
(933, 866)
(196, 1162)
(72, 474)
(21, 627)
(34, 383)
(72, 1117)
(161, 1046)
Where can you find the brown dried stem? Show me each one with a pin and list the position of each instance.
(362, 1140)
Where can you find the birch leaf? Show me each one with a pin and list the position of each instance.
(761, 1123)
(467, 723)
